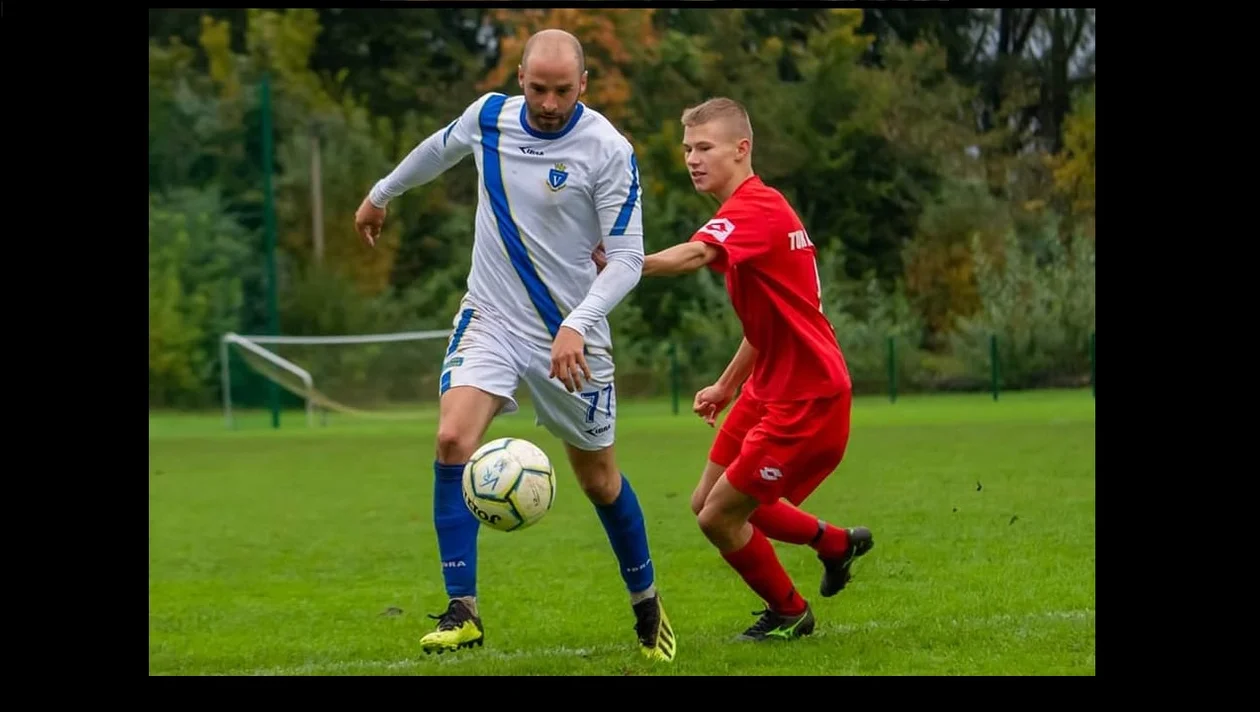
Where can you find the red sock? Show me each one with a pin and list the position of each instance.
(783, 522)
(760, 568)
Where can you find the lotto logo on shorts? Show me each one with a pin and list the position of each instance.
(770, 474)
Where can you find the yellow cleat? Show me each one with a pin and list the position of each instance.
(457, 628)
(656, 635)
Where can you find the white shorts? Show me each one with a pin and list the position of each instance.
(482, 354)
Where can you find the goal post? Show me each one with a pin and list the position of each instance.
(312, 367)
(250, 344)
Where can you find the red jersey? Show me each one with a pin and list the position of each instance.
(772, 279)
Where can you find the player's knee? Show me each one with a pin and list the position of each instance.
(712, 472)
(454, 445)
(600, 481)
(597, 474)
(712, 522)
(602, 487)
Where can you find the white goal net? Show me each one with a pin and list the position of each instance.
(392, 376)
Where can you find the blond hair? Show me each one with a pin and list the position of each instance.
(729, 110)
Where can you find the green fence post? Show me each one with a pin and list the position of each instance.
(993, 363)
(673, 375)
(1091, 365)
(892, 370)
(269, 215)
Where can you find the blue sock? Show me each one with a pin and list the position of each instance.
(623, 521)
(457, 530)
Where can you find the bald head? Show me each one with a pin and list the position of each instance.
(554, 45)
(552, 76)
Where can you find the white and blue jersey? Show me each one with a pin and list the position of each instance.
(546, 201)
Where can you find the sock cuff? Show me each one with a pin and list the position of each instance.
(822, 529)
(448, 472)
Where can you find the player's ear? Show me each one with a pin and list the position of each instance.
(520, 75)
(582, 84)
(743, 148)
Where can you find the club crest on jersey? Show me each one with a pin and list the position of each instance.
(557, 177)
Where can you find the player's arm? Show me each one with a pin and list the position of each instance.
(617, 201)
(739, 369)
(617, 193)
(680, 259)
(435, 155)
(737, 234)
(713, 399)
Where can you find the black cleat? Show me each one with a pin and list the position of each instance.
(457, 628)
(836, 573)
(773, 626)
(656, 635)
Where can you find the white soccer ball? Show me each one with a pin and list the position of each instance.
(509, 484)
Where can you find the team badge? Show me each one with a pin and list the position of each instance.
(557, 177)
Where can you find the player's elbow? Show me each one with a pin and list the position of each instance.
(630, 260)
(700, 256)
(634, 262)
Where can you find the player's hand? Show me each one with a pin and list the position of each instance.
(600, 258)
(567, 360)
(710, 401)
(368, 220)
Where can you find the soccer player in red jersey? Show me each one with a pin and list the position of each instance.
(790, 427)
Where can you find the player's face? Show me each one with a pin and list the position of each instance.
(552, 85)
(713, 155)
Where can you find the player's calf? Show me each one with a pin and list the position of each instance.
(619, 511)
(464, 418)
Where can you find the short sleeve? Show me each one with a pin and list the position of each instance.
(738, 232)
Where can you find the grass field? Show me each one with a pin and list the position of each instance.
(312, 552)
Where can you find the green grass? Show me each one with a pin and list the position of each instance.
(280, 552)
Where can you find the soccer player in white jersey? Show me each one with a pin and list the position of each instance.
(556, 180)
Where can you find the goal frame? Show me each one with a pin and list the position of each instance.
(253, 343)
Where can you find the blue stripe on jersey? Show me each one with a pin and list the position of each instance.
(449, 129)
(492, 171)
(623, 217)
(464, 317)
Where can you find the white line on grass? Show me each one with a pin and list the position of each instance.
(370, 667)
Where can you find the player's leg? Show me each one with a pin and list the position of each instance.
(724, 519)
(743, 415)
(812, 437)
(478, 382)
(586, 422)
(782, 520)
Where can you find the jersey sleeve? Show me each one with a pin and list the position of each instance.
(739, 233)
(435, 155)
(618, 194)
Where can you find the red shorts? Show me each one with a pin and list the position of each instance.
(782, 449)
